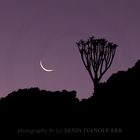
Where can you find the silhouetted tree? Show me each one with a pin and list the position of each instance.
(97, 56)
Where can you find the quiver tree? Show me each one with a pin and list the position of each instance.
(97, 56)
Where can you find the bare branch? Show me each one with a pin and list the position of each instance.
(97, 56)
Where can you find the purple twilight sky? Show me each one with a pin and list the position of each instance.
(47, 30)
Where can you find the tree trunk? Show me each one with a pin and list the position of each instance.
(96, 86)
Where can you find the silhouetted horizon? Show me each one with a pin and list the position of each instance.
(61, 91)
(111, 107)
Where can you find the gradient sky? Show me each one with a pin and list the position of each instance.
(47, 30)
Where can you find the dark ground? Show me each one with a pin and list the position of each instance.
(112, 111)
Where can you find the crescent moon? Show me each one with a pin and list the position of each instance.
(47, 70)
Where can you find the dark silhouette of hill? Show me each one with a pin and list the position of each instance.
(112, 106)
